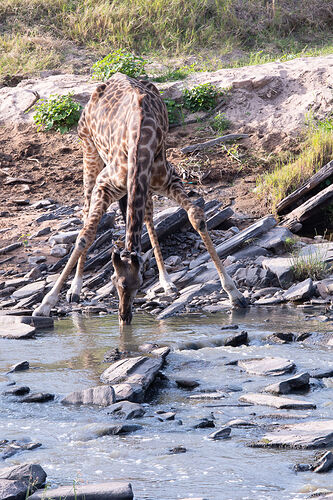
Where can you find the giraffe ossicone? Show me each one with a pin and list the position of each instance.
(123, 130)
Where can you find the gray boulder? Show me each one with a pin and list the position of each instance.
(300, 291)
(311, 434)
(291, 384)
(101, 395)
(17, 331)
(282, 268)
(99, 491)
(276, 402)
(126, 410)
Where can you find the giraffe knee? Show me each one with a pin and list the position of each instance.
(197, 218)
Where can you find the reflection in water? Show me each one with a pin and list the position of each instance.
(71, 358)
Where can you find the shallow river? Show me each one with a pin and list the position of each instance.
(70, 357)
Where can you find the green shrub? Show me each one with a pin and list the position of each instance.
(201, 98)
(119, 61)
(59, 112)
(175, 111)
(220, 123)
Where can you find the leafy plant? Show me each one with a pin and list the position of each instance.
(201, 98)
(220, 123)
(59, 112)
(119, 61)
(175, 110)
(25, 239)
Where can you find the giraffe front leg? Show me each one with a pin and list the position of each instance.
(165, 281)
(196, 216)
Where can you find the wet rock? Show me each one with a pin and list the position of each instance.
(117, 430)
(311, 434)
(222, 433)
(229, 327)
(266, 291)
(9, 449)
(267, 366)
(300, 291)
(291, 384)
(237, 340)
(161, 352)
(129, 392)
(19, 367)
(12, 318)
(177, 449)
(37, 397)
(187, 383)
(281, 267)
(276, 402)
(17, 331)
(281, 337)
(187, 295)
(28, 290)
(303, 336)
(114, 355)
(322, 373)
(126, 410)
(302, 467)
(208, 395)
(97, 491)
(139, 371)
(100, 395)
(164, 416)
(324, 463)
(32, 474)
(240, 423)
(17, 391)
(205, 423)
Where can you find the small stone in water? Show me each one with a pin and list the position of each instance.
(187, 383)
(177, 449)
(222, 433)
(23, 365)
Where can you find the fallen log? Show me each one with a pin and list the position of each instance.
(295, 218)
(310, 184)
(228, 247)
(168, 222)
(204, 145)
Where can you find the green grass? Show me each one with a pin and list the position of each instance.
(257, 30)
(317, 150)
(308, 266)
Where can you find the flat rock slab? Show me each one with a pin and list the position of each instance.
(101, 491)
(267, 366)
(141, 370)
(38, 322)
(276, 402)
(312, 434)
(27, 290)
(100, 395)
(300, 381)
(17, 331)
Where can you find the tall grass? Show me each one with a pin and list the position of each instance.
(174, 27)
(285, 178)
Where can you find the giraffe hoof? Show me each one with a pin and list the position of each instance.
(239, 302)
(73, 297)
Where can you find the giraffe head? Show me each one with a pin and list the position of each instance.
(127, 279)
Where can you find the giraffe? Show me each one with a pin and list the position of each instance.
(123, 130)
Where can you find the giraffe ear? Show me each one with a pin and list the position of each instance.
(116, 259)
(136, 261)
